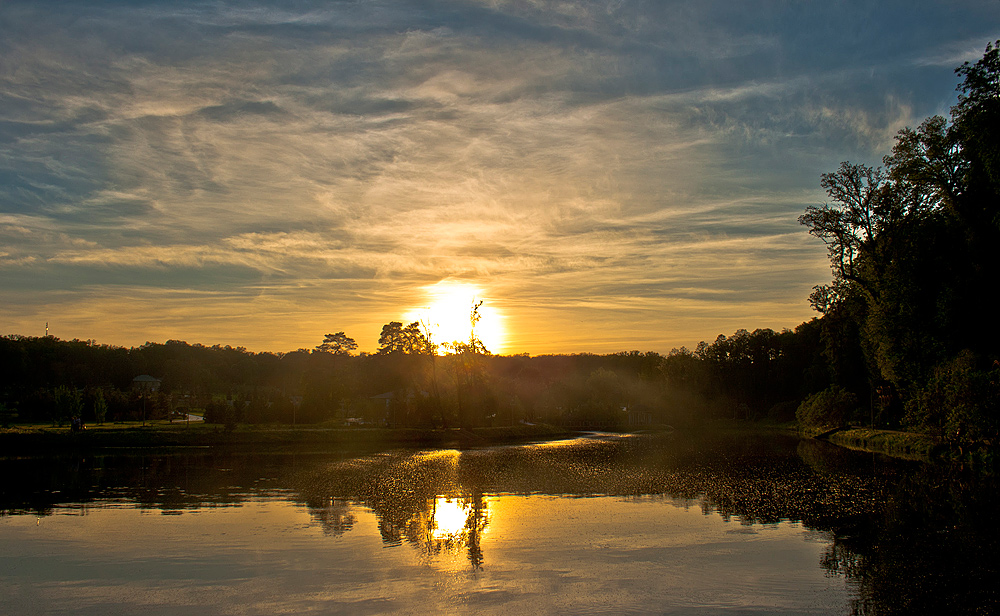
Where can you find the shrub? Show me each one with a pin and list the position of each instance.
(829, 408)
(960, 402)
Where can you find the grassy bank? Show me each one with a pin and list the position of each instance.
(43, 439)
(907, 445)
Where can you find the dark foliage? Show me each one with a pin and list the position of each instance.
(907, 319)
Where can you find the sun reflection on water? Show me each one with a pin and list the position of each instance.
(450, 526)
(449, 517)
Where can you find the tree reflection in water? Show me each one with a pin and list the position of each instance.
(450, 524)
(336, 518)
(929, 548)
(416, 497)
(909, 537)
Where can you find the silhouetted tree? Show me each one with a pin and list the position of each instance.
(913, 249)
(338, 344)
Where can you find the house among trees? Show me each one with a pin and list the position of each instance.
(146, 383)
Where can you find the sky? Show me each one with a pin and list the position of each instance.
(604, 176)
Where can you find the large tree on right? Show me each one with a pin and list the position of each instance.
(913, 248)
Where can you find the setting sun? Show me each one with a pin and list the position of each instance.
(447, 312)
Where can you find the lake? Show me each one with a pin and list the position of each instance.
(608, 524)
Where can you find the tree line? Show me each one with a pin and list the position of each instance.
(748, 375)
(905, 336)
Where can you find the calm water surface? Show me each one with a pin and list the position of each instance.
(604, 525)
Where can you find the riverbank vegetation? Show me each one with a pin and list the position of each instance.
(904, 338)
(906, 445)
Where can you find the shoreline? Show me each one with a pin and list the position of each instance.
(897, 444)
(911, 446)
(28, 440)
(44, 440)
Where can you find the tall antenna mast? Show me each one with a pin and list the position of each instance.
(46, 329)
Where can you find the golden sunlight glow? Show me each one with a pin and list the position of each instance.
(447, 315)
(450, 517)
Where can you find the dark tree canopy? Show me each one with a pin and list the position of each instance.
(409, 340)
(913, 250)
